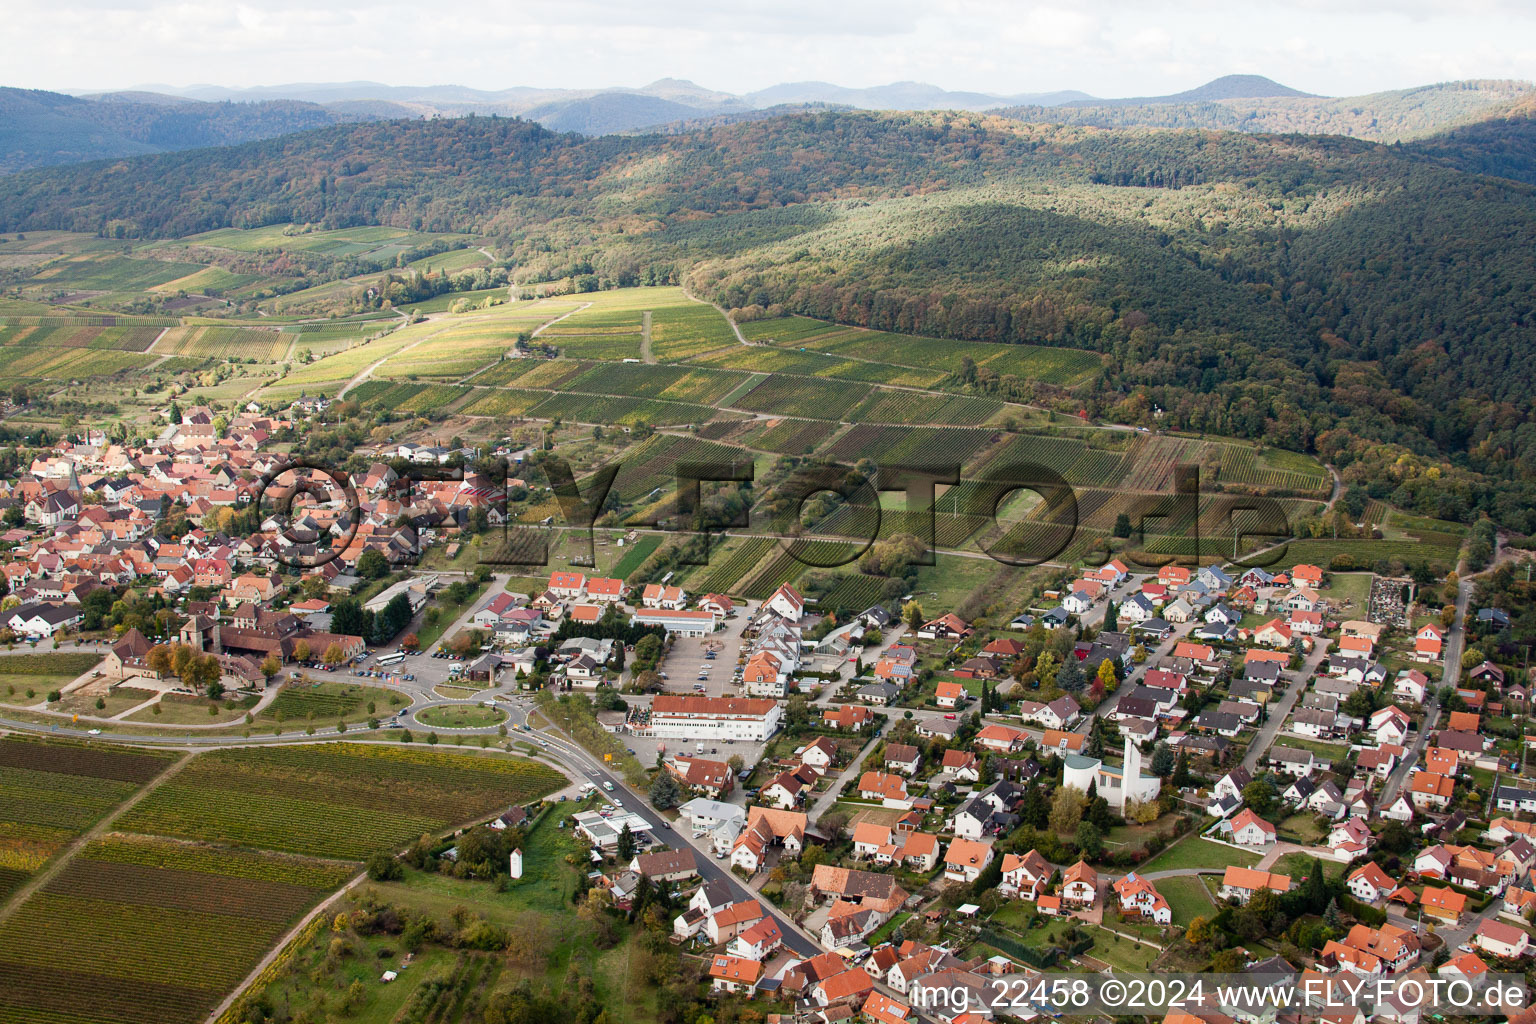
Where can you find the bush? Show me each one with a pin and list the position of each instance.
(382, 867)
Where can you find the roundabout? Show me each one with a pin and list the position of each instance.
(460, 716)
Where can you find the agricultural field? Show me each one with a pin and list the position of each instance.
(370, 242)
(854, 592)
(406, 396)
(811, 398)
(786, 565)
(674, 383)
(453, 261)
(605, 409)
(635, 555)
(50, 793)
(211, 281)
(42, 671)
(652, 464)
(503, 402)
(613, 347)
(686, 329)
(789, 437)
(918, 445)
(334, 800)
(326, 702)
(888, 406)
(78, 332)
(63, 364)
(728, 566)
(111, 273)
(532, 373)
(1271, 469)
(139, 929)
(226, 343)
(1063, 367)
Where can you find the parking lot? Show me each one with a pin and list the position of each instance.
(689, 659)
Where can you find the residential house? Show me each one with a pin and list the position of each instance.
(1025, 876)
(966, 859)
(1248, 829)
(1241, 883)
(1139, 898)
(1369, 884)
(1080, 885)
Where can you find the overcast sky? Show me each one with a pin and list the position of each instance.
(1103, 47)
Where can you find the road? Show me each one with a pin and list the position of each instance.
(1455, 641)
(577, 760)
(1297, 685)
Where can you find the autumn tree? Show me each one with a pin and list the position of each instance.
(1066, 810)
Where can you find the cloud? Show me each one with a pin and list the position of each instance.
(1104, 47)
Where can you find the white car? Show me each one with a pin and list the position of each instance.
(93, 732)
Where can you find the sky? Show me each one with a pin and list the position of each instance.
(1103, 47)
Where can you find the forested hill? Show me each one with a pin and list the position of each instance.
(1358, 300)
(39, 129)
(1398, 116)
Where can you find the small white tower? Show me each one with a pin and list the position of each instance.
(516, 865)
(1132, 769)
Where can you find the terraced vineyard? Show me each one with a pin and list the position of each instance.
(1060, 366)
(101, 333)
(723, 574)
(786, 566)
(503, 401)
(622, 411)
(786, 395)
(332, 800)
(675, 383)
(918, 445)
(402, 396)
(653, 464)
(267, 346)
(790, 437)
(885, 406)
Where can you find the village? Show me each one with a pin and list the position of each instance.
(1292, 772)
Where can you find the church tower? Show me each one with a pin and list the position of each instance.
(1132, 769)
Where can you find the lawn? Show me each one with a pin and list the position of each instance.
(454, 692)
(1332, 752)
(1187, 896)
(42, 672)
(1301, 828)
(113, 703)
(1348, 591)
(462, 716)
(1120, 953)
(184, 709)
(1194, 853)
(1299, 865)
